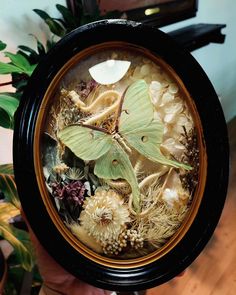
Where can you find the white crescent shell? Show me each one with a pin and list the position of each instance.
(109, 71)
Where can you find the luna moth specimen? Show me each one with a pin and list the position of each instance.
(135, 128)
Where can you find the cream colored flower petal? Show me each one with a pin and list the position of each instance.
(170, 196)
(110, 71)
(173, 88)
(169, 118)
(155, 86)
(173, 108)
(182, 120)
(156, 91)
(156, 99)
(167, 97)
(164, 83)
(145, 70)
(173, 147)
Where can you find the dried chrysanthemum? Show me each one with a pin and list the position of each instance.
(105, 215)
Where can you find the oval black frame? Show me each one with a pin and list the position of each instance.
(216, 141)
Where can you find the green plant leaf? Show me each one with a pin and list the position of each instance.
(20, 241)
(27, 49)
(7, 169)
(7, 211)
(33, 56)
(8, 187)
(18, 60)
(2, 45)
(17, 95)
(5, 120)
(15, 276)
(21, 62)
(42, 14)
(6, 68)
(69, 19)
(8, 105)
(19, 81)
(50, 44)
(40, 46)
(53, 25)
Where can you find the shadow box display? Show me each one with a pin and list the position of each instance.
(121, 155)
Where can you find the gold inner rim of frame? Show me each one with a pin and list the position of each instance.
(196, 201)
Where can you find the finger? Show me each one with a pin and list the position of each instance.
(55, 277)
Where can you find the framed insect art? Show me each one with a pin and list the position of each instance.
(118, 164)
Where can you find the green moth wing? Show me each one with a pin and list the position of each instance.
(112, 162)
(147, 142)
(115, 164)
(137, 109)
(138, 127)
(86, 143)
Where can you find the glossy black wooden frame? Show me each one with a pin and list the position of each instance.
(215, 135)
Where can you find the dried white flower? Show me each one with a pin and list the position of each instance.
(60, 168)
(173, 88)
(170, 196)
(167, 97)
(145, 70)
(105, 215)
(74, 173)
(155, 86)
(183, 120)
(173, 147)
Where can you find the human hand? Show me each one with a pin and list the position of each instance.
(57, 280)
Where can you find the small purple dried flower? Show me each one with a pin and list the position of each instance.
(85, 88)
(72, 192)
